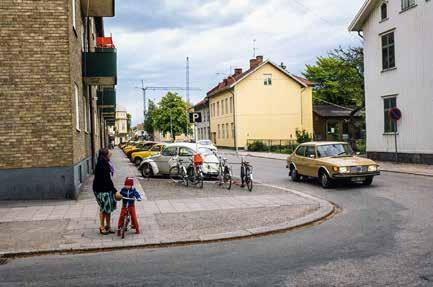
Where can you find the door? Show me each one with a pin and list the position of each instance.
(310, 161)
(185, 154)
(163, 160)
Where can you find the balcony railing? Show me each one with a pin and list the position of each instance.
(106, 98)
(98, 8)
(100, 67)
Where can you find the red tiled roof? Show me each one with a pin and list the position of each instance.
(226, 83)
(202, 102)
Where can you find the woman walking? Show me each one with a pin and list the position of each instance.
(104, 190)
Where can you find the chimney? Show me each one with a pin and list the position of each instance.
(253, 63)
(259, 59)
(238, 71)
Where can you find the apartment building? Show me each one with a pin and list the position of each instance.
(57, 77)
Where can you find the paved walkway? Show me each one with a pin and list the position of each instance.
(45, 226)
(416, 169)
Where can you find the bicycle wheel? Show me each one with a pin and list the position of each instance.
(184, 176)
(249, 179)
(125, 226)
(200, 178)
(227, 179)
(175, 174)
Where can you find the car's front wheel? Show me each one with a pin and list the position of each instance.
(325, 180)
(368, 181)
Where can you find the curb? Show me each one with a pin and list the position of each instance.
(326, 211)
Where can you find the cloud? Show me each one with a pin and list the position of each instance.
(154, 38)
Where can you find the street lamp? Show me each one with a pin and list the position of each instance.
(234, 111)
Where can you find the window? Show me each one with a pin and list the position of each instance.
(406, 4)
(156, 148)
(227, 131)
(388, 51)
(77, 107)
(390, 125)
(300, 151)
(183, 151)
(231, 104)
(222, 108)
(218, 108)
(310, 152)
(219, 131)
(233, 130)
(384, 11)
(223, 131)
(334, 150)
(227, 106)
(267, 79)
(74, 17)
(86, 114)
(170, 151)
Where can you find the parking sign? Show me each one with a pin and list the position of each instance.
(195, 117)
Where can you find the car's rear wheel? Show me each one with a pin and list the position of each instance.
(294, 175)
(325, 180)
(368, 181)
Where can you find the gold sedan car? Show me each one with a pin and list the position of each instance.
(330, 162)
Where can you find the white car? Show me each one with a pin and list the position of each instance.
(208, 144)
(160, 164)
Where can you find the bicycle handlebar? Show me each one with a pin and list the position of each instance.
(131, 198)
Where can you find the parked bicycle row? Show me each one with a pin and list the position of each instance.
(189, 164)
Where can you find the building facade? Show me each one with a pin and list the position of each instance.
(264, 102)
(121, 125)
(398, 60)
(52, 124)
(202, 130)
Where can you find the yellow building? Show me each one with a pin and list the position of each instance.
(264, 102)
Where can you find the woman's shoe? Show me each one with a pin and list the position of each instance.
(103, 231)
(109, 230)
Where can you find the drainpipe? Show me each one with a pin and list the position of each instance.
(91, 106)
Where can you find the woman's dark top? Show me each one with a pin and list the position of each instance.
(102, 181)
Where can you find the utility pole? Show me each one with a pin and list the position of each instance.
(144, 102)
(187, 93)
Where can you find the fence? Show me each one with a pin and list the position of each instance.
(267, 145)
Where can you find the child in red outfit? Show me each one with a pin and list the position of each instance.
(129, 191)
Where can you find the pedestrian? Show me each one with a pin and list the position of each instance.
(129, 191)
(104, 190)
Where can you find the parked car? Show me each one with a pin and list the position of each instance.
(131, 146)
(330, 162)
(160, 164)
(138, 156)
(207, 143)
(139, 147)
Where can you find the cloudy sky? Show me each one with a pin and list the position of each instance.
(154, 37)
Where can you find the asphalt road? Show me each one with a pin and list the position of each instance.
(382, 237)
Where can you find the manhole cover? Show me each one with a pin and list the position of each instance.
(3, 261)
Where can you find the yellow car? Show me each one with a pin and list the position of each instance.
(330, 162)
(138, 156)
(130, 146)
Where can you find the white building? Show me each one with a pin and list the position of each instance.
(398, 54)
(121, 124)
(202, 130)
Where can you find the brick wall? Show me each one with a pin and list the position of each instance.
(35, 84)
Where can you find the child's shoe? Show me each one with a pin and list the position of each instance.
(118, 232)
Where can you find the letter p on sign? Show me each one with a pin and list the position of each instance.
(195, 117)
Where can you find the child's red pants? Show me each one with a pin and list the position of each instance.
(134, 220)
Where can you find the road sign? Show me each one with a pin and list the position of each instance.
(395, 114)
(195, 117)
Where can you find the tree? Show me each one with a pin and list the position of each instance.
(172, 116)
(149, 123)
(339, 78)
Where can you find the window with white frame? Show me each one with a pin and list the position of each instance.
(267, 79)
(77, 107)
(74, 17)
(227, 106)
(231, 104)
(406, 4)
(388, 51)
(388, 104)
(384, 11)
(85, 115)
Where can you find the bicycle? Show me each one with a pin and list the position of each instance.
(224, 173)
(195, 174)
(246, 174)
(127, 218)
(178, 173)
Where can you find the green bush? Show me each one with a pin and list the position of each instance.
(257, 146)
(302, 136)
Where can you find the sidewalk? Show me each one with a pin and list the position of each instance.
(406, 168)
(169, 214)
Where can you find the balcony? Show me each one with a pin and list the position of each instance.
(100, 67)
(106, 98)
(98, 8)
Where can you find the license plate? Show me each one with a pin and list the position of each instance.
(357, 179)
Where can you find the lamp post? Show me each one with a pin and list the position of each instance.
(231, 91)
